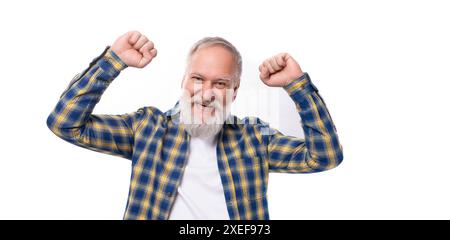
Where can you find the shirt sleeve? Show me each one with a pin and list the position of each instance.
(320, 150)
(72, 118)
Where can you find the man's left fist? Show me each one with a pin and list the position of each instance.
(279, 70)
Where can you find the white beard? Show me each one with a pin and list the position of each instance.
(194, 126)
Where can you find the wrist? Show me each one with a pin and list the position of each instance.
(298, 83)
(297, 76)
(115, 60)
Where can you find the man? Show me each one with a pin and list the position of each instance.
(196, 161)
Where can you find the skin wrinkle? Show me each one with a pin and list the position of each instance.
(208, 80)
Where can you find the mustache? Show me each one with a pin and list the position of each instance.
(205, 103)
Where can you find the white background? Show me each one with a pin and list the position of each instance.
(381, 66)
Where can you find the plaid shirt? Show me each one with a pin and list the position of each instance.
(247, 149)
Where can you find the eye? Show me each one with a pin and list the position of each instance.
(196, 78)
(221, 84)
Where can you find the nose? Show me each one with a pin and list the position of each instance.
(208, 96)
(205, 90)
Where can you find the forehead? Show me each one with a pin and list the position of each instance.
(211, 61)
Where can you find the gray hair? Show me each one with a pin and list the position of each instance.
(218, 41)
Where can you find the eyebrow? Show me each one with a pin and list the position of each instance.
(222, 78)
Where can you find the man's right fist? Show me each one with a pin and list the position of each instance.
(134, 49)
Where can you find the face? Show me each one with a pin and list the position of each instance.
(210, 83)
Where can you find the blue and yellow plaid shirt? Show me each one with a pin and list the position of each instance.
(157, 145)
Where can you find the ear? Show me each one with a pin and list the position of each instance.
(235, 89)
(182, 80)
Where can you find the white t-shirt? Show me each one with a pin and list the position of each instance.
(200, 194)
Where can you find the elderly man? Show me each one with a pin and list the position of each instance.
(197, 161)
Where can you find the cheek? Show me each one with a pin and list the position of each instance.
(188, 90)
(225, 96)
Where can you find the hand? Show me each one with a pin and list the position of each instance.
(279, 70)
(134, 49)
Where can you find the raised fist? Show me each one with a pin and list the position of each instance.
(134, 49)
(279, 70)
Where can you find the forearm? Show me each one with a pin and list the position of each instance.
(78, 101)
(322, 149)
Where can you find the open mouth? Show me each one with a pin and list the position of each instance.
(202, 105)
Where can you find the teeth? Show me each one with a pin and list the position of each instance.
(203, 105)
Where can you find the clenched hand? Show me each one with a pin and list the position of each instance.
(134, 49)
(279, 70)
